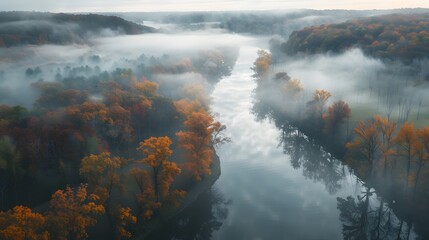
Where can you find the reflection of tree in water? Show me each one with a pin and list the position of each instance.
(199, 220)
(369, 217)
(316, 164)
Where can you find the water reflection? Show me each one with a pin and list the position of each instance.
(199, 220)
(316, 164)
(366, 217)
(366, 214)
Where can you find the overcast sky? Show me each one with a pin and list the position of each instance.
(200, 5)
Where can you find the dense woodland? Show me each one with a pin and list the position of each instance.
(19, 28)
(102, 151)
(390, 37)
(389, 157)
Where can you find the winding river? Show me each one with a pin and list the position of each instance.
(262, 193)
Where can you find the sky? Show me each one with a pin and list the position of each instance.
(199, 5)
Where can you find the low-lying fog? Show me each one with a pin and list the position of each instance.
(20, 66)
(368, 85)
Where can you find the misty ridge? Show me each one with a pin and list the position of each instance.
(18, 28)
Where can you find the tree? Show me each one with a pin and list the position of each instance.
(335, 116)
(10, 165)
(147, 88)
(196, 141)
(72, 212)
(407, 141)
(386, 129)
(21, 223)
(316, 107)
(294, 88)
(101, 173)
(146, 198)
(218, 134)
(262, 65)
(367, 141)
(125, 218)
(157, 153)
(423, 150)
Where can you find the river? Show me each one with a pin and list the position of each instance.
(269, 198)
(263, 194)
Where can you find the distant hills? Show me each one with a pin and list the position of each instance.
(19, 28)
(388, 37)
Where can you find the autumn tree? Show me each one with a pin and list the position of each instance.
(386, 129)
(262, 65)
(367, 141)
(423, 150)
(294, 88)
(124, 219)
(408, 145)
(146, 198)
(335, 116)
(157, 153)
(317, 104)
(146, 88)
(102, 174)
(196, 141)
(71, 212)
(21, 223)
(196, 92)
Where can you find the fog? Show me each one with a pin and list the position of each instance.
(370, 86)
(135, 52)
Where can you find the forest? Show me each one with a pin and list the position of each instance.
(389, 37)
(103, 152)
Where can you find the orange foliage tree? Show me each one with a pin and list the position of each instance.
(101, 173)
(157, 153)
(423, 150)
(367, 141)
(262, 64)
(196, 141)
(386, 129)
(72, 212)
(146, 197)
(407, 141)
(20, 223)
(125, 218)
